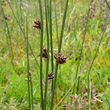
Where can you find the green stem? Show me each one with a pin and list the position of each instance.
(41, 47)
(62, 30)
(27, 50)
(59, 50)
(54, 87)
(56, 22)
(50, 19)
(47, 66)
(31, 92)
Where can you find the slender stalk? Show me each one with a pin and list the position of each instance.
(31, 92)
(50, 20)
(41, 47)
(59, 50)
(23, 32)
(54, 87)
(62, 30)
(56, 21)
(90, 70)
(47, 66)
(27, 50)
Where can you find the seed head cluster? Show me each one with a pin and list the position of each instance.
(37, 24)
(50, 76)
(60, 58)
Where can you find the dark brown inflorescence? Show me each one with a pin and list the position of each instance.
(44, 53)
(60, 58)
(37, 24)
(50, 76)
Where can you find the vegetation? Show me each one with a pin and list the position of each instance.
(54, 55)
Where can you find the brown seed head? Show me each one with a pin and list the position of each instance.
(44, 53)
(60, 58)
(37, 24)
(50, 76)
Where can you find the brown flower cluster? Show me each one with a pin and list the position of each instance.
(37, 24)
(50, 76)
(44, 53)
(60, 58)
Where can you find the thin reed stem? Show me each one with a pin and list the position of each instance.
(62, 30)
(51, 40)
(47, 66)
(59, 50)
(41, 47)
(56, 22)
(31, 92)
(28, 75)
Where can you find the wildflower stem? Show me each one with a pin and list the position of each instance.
(62, 30)
(50, 21)
(56, 21)
(31, 92)
(59, 50)
(47, 66)
(27, 50)
(41, 47)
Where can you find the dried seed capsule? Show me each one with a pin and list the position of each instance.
(50, 76)
(60, 58)
(37, 24)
